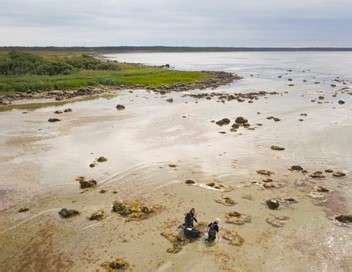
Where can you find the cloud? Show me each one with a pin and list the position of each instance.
(176, 22)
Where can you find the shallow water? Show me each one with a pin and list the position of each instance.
(140, 142)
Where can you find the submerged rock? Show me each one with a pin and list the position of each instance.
(226, 201)
(317, 175)
(134, 210)
(170, 100)
(84, 183)
(98, 215)
(232, 237)
(237, 218)
(67, 213)
(22, 210)
(277, 221)
(265, 172)
(339, 174)
(118, 264)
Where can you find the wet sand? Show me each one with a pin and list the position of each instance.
(40, 161)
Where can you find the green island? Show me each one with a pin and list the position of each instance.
(45, 71)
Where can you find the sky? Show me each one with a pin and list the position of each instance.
(229, 23)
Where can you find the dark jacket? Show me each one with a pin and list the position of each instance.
(189, 218)
(213, 230)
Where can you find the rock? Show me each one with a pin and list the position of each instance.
(92, 165)
(277, 221)
(223, 122)
(265, 172)
(241, 120)
(189, 181)
(339, 174)
(232, 237)
(321, 189)
(296, 168)
(53, 120)
(277, 148)
(102, 159)
(58, 112)
(341, 102)
(22, 210)
(346, 219)
(170, 100)
(120, 107)
(237, 218)
(67, 213)
(273, 204)
(172, 165)
(84, 183)
(98, 215)
(226, 201)
(134, 210)
(329, 171)
(68, 110)
(118, 264)
(102, 191)
(317, 175)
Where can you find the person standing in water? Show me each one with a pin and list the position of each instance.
(190, 218)
(213, 230)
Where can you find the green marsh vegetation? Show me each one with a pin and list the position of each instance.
(23, 71)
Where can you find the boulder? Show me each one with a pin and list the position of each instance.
(84, 183)
(346, 219)
(223, 122)
(189, 181)
(296, 168)
(241, 120)
(53, 120)
(102, 159)
(98, 215)
(277, 148)
(339, 174)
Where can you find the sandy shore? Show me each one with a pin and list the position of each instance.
(152, 147)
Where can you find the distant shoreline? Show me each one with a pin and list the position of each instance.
(160, 49)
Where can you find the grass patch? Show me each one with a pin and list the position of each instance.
(21, 72)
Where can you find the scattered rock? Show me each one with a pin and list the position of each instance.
(277, 221)
(237, 218)
(22, 210)
(226, 201)
(53, 120)
(134, 210)
(67, 213)
(265, 172)
(341, 102)
(339, 174)
(98, 215)
(346, 219)
(223, 122)
(120, 107)
(273, 204)
(102, 159)
(241, 120)
(118, 264)
(277, 148)
(317, 175)
(232, 237)
(296, 168)
(189, 181)
(84, 183)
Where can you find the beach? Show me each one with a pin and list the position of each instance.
(169, 151)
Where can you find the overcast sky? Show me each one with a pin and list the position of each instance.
(176, 22)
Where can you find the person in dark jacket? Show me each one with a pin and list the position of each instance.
(190, 218)
(213, 230)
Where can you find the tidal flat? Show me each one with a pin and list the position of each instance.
(269, 154)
